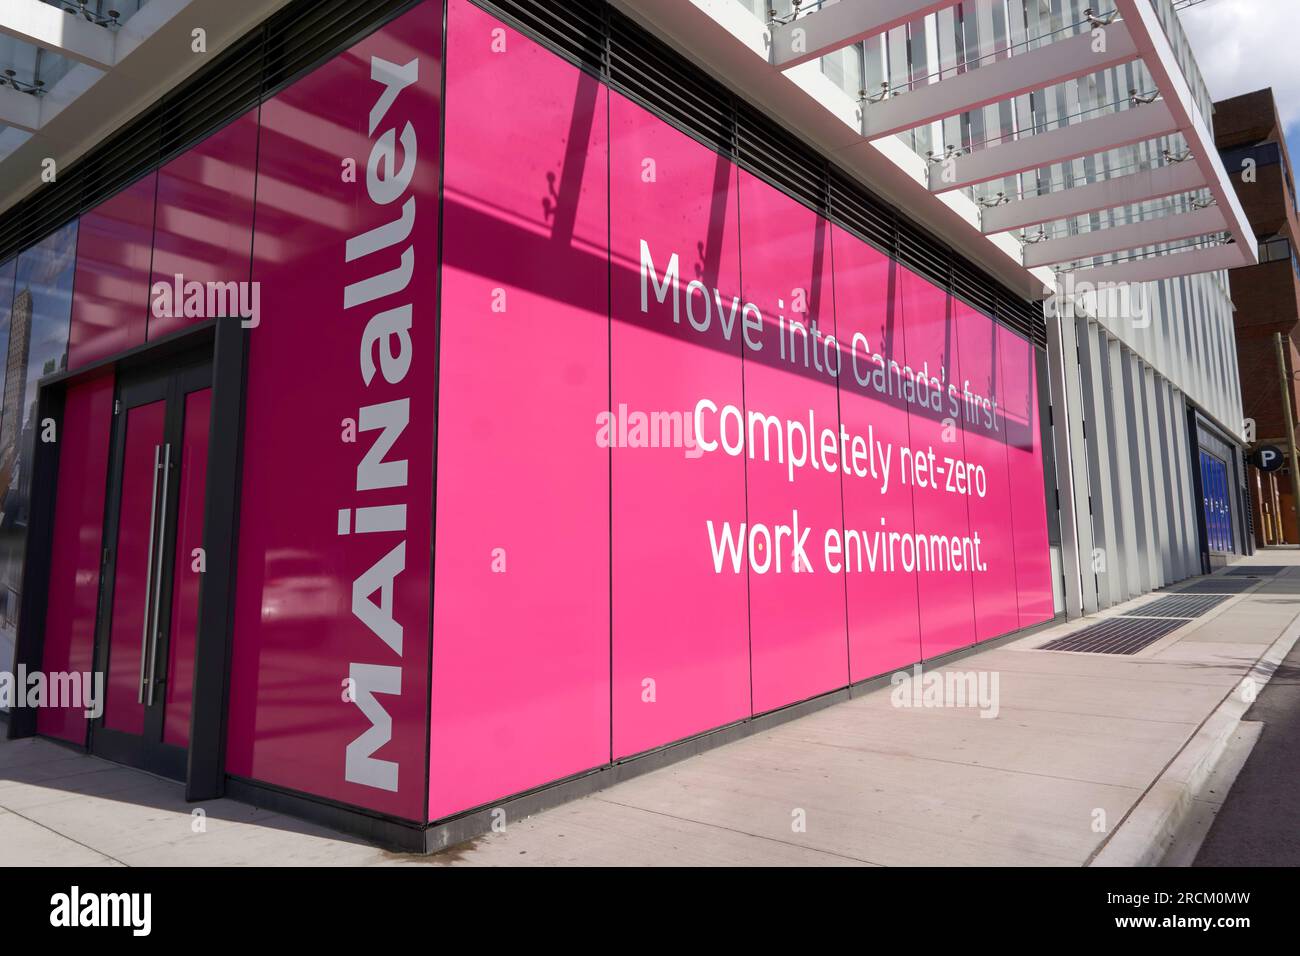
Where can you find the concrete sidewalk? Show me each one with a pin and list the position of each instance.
(1091, 759)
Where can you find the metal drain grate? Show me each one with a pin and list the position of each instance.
(1179, 605)
(1257, 571)
(1220, 584)
(1119, 635)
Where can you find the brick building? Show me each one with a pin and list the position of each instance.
(1252, 142)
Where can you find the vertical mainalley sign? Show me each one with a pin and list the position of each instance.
(330, 664)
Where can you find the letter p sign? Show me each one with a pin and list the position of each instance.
(1268, 458)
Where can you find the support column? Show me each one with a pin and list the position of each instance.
(1192, 540)
(1092, 354)
(1071, 460)
(1178, 514)
(1121, 478)
(1155, 498)
(1139, 479)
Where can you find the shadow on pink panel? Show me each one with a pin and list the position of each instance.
(988, 483)
(183, 636)
(75, 549)
(205, 230)
(1025, 475)
(798, 633)
(329, 686)
(145, 429)
(111, 289)
(681, 617)
(521, 656)
(882, 602)
(944, 546)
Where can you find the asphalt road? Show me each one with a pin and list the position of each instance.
(1259, 824)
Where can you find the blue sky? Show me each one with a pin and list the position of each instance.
(1244, 45)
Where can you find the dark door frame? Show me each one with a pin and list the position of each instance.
(1198, 487)
(1204, 434)
(169, 382)
(228, 342)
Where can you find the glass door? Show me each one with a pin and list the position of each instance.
(153, 562)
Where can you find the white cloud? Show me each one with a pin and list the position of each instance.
(1246, 45)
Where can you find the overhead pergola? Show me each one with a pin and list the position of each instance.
(1179, 232)
(1206, 235)
(24, 101)
(51, 28)
(99, 57)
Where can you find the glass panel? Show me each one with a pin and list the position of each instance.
(29, 68)
(37, 346)
(8, 621)
(99, 11)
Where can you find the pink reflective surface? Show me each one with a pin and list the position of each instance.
(144, 436)
(677, 621)
(798, 633)
(298, 636)
(936, 436)
(111, 286)
(996, 611)
(1025, 471)
(882, 613)
(521, 603)
(205, 218)
(77, 539)
(191, 479)
(569, 574)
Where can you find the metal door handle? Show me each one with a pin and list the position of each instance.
(148, 574)
(158, 578)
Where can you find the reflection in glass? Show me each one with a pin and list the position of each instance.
(6, 311)
(35, 330)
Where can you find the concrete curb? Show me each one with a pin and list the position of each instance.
(1147, 831)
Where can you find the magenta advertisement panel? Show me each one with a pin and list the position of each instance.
(184, 629)
(799, 640)
(521, 643)
(989, 489)
(111, 288)
(75, 547)
(943, 550)
(681, 623)
(1025, 470)
(700, 454)
(204, 231)
(884, 631)
(123, 706)
(330, 661)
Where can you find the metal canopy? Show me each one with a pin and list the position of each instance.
(1003, 79)
(1135, 235)
(1057, 145)
(1093, 197)
(1169, 265)
(69, 56)
(19, 110)
(826, 29)
(50, 28)
(1129, 31)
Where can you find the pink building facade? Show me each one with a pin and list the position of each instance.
(454, 430)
